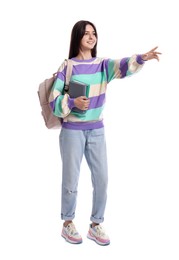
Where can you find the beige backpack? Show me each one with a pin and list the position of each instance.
(44, 90)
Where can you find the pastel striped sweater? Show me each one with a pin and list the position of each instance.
(96, 73)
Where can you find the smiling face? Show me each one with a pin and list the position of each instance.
(89, 39)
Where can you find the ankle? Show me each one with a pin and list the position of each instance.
(93, 224)
(65, 224)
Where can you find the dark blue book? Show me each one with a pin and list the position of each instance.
(77, 89)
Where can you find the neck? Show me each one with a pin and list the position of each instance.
(84, 55)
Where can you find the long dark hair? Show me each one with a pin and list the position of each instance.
(77, 34)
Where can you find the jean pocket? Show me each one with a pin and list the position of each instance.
(98, 132)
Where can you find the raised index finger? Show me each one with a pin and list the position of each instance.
(153, 49)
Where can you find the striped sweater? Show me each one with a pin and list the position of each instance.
(96, 73)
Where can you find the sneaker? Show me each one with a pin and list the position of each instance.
(98, 234)
(70, 234)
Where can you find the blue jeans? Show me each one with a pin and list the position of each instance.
(73, 145)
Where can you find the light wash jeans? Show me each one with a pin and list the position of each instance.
(73, 144)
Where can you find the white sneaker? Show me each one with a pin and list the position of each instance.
(71, 234)
(98, 234)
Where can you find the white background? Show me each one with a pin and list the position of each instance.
(142, 126)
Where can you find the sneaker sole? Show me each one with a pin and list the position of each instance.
(71, 241)
(98, 242)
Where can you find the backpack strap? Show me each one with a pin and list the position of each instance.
(68, 74)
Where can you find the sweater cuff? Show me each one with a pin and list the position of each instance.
(139, 59)
(71, 103)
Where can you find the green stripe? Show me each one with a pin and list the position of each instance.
(129, 73)
(92, 114)
(58, 85)
(58, 108)
(91, 79)
(111, 70)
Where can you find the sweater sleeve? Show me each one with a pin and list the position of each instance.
(60, 103)
(118, 69)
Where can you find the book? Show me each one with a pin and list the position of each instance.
(77, 89)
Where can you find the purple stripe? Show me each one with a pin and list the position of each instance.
(123, 67)
(82, 69)
(71, 103)
(106, 63)
(96, 101)
(88, 68)
(52, 104)
(61, 75)
(139, 59)
(83, 126)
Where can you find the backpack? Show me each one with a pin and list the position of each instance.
(44, 90)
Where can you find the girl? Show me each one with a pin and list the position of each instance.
(83, 133)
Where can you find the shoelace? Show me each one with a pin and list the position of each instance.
(100, 230)
(71, 229)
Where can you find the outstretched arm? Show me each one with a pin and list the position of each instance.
(152, 54)
(129, 65)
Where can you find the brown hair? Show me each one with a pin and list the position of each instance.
(77, 34)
